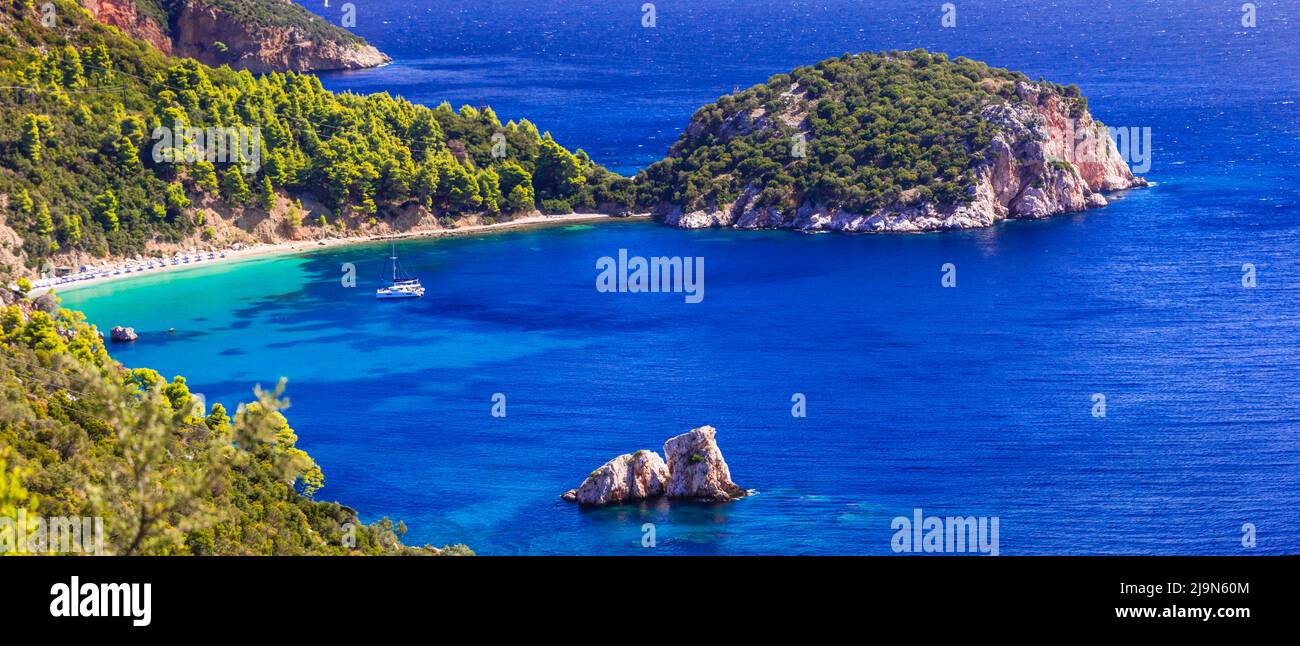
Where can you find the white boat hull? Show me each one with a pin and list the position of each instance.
(385, 295)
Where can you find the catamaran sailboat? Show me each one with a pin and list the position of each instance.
(400, 286)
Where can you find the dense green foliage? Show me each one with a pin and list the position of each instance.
(77, 142)
(875, 129)
(83, 436)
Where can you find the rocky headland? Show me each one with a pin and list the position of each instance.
(255, 35)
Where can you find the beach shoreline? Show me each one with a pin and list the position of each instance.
(262, 250)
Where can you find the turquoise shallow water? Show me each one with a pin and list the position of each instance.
(971, 401)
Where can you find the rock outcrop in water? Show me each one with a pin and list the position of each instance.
(626, 478)
(121, 334)
(695, 470)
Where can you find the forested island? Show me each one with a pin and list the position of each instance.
(894, 141)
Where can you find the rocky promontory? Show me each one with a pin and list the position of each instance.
(903, 141)
(255, 35)
(695, 470)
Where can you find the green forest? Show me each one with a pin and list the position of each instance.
(861, 131)
(83, 436)
(81, 103)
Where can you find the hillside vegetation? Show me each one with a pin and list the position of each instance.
(78, 171)
(83, 436)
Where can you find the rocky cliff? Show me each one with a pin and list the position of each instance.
(1036, 152)
(197, 27)
(131, 18)
(695, 470)
(256, 35)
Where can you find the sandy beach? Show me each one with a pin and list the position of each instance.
(110, 272)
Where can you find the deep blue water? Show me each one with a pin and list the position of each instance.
(972, 401)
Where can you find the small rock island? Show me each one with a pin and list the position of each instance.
(121, 334)
(695, 470)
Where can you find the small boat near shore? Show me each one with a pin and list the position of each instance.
(399, 286)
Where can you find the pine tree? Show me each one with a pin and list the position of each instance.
(98, 61)
(517, 185)
(205, 176)
(520, 199)
(426, 181)
(489, 189)
(25, 203)
(44, 224)
(70, 229)
(126, 155)
(233, 186)
(176, 199)
(32, 139)
(295, 215)
(266, 196)
(559, 172)
(457, 185)
(73, 74)
(105, 210)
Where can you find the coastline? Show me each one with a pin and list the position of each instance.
(262, 250)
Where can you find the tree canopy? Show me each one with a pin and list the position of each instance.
(83, 436)
(82, 136)
(861, 131)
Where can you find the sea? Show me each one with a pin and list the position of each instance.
(1124, 380)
